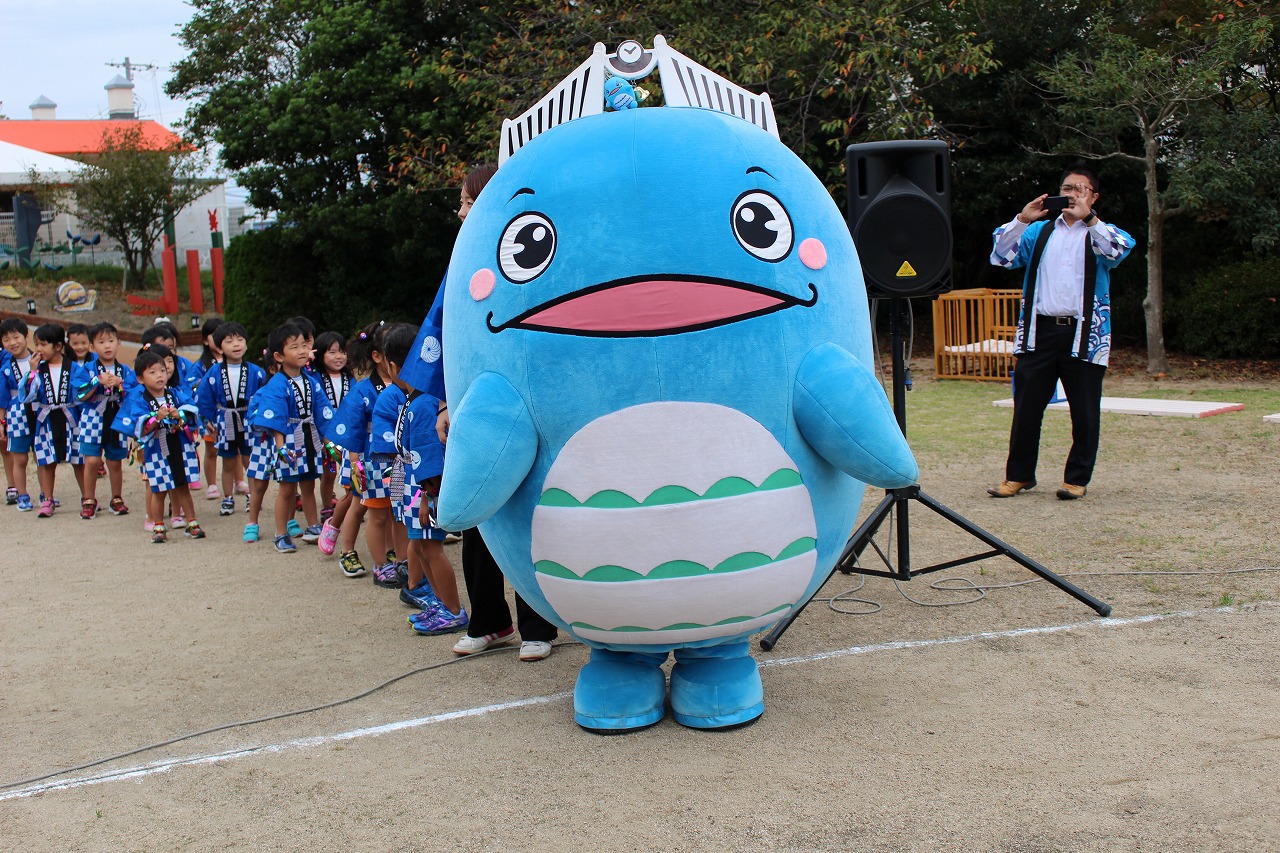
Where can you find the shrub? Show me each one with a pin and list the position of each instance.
(1231, 311)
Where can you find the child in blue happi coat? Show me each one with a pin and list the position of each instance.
(291, 408)
(16, 420)
(210, 356)
(165, 334)
(49, 394)
(260, 469)
(350, 430)
(378, 458)
(100, 386)
(335, 378)
(223, 400)
(163, 419)
(432, 586)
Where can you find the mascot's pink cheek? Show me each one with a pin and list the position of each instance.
(812, 254)
(482, 283)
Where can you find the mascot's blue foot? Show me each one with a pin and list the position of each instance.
(620, 692)
(716, 687)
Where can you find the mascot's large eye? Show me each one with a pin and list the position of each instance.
(528, 244)
(762, 226)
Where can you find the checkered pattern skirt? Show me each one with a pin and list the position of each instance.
(157, 467)
(49, 449)
(19, 420)
(262, 457)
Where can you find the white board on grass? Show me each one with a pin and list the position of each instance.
(1142, 406)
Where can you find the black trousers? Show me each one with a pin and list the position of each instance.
(1035, 377)
(487, 593)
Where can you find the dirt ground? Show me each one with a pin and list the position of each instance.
(1020, 722)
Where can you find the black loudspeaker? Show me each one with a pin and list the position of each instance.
(900, 216)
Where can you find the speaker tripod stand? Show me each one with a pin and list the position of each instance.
(896, 505)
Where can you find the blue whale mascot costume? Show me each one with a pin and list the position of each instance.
(657, 356)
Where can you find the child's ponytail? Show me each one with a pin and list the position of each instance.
(362, 345)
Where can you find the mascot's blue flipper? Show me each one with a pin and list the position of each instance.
(493, 448)
(843, 413)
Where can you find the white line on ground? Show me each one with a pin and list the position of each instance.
(166, 765)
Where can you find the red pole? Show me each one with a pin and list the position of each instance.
(215, 261)
(169, 270)
(194, 291)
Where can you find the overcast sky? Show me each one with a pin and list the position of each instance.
(60, 49)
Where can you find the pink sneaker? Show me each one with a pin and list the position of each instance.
(212, 493)
(328, 538)
(242, 487)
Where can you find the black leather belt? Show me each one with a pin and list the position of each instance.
(1061, 321)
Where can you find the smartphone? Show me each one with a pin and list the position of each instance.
(1057, 202)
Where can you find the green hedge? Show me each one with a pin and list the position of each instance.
(1230, 312)
(360, 261)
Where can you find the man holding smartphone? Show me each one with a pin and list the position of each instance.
(1064, 324)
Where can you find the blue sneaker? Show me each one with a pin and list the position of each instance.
(250, 533)
(293, 528)
(441, 621)
(311, 535)
(421, 596)
(285, 545)
(24, 503)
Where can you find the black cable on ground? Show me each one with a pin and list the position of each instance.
(282, 715)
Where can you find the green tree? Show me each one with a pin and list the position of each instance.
(1170, 95)
(132, 192)
(305, 100)
(837, 71)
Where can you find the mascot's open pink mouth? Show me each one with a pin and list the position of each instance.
(658, 305)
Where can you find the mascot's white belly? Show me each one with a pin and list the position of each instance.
(670, 523)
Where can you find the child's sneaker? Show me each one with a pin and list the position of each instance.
(391, 556)
(227, 507)
(10, 497)
(285, 545)
(469, 645)
(88, 509)
(178, 521)
(117, 506)
(242, 487)
(297, 503)
(212, 493)
(24, 503)
(148, 525)
(385, 576)
(46, 509)
(312, 534)
(421, 596)
(351, 565)
(326, 513)
(441, 621)
(328, 538)
(402, 572)
(159, 534)
(193, 530)
(293, 528)
(250, 533)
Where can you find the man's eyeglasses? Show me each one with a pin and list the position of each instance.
(1081, 189)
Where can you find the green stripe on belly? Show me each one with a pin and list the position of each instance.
(728, 487)
(679, 568)
(677, 626)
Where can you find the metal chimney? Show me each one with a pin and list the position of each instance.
(120, 98)
(43, 109)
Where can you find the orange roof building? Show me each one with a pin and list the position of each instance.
(76, 138)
